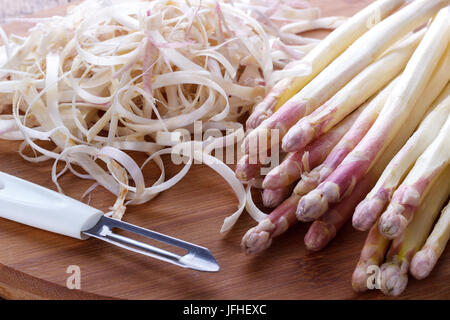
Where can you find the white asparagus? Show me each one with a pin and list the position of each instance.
(364, 51)
(410, 193)
(394, 273)
(372, 254)
(310, 180)
(325, 52)
(273, 198)
(369, 210)
(321, 23)
(359, 89)
(424, 261)
(401, 102)
(296, 163)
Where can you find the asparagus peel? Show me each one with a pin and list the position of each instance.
(310, 180)
(411, 192)
(364, 51)
(394, 273)
(325, 52)
(370, 209)
(401, 104)
(260, 237)
(353, 94)
(295, 163)
(424, 261)
(320, 23)
(283, 216)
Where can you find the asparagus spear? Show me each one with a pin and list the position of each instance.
(393, 273)
(325, 52)
(358, 90)
(283, 217)
(323, 230)
(287, 211)
(310, 180)
(370, 209)
(400, 104)
(424, 261)
(364, 51)
(411, 192)
(372, 254)
(295, 163)
(260, 237)
(272, 198)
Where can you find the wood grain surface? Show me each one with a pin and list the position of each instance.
(33, 263)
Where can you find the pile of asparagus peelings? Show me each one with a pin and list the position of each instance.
(364, 136)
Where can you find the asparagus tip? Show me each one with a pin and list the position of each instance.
(393, 278)
(366, 213)
(311, 206)
(273, 179)
(255, 119)
(273, 197)
(298, 137)
(392, 222)
(244, 170)
(360, 277)
(422, 264)
(319, 235)
(258, 238)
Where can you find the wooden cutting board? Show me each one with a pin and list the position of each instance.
(33, 263)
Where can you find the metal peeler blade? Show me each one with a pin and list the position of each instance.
(198, 258)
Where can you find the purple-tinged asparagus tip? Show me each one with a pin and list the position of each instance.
(319, 235)
(272, 179)
(246, 171)
(256, 239)
(283, 175)
(273, 197)
(392, 223)
(298, 137)
(360, 277)
(393, 278)
(311, 206)
(423, 263)
(367, 213)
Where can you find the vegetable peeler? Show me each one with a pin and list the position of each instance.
(42, 208)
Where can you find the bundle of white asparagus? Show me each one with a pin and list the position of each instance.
(366, 136)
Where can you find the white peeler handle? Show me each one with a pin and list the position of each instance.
(42, 208)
